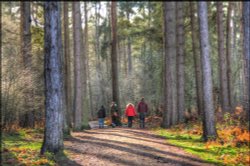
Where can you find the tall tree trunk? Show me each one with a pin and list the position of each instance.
(224, 97)
(114, 67)
(77, 36)
(170, 110)
(53, 135)
(180, 62)
(85, 110)
(67, 86)
(87, 59)
(129, 43)
(209, 131)
(2, 107)
(197, 59)
(27, 120)
(246, 51)
(230, 43)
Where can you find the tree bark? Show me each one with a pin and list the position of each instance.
(209, 131)
(170, 110)
(87, 59)
(85, 115)
(53, 135)
(230, 43)
(77, 36)
(67, 75)
(197, 59)
(224, 93)
(246, 51)
(114, 67)
(180, 62)
(27, 119)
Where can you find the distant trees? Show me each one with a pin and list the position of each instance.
(224, 90)
(27, 117)
(197, 58)
(53, 133)
(209, 131)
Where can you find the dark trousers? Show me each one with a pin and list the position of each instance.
(142, 119)
(130, 121)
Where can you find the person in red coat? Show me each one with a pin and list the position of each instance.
(130, 113)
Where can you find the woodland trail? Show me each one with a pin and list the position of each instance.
(124, 146)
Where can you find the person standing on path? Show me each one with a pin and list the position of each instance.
(101, 115)
(142, 109)
(130, 113)
(114, 114)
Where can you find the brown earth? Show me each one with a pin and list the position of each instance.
(124, 146)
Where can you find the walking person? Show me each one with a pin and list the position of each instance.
(101, 116)
(114, 114)
(142, 109)
(130, 113)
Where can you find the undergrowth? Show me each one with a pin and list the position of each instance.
(22, 147)
(230, 148)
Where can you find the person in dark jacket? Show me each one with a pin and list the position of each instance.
(142, 109)
(130, 113)
(101, 116)
(114, 114)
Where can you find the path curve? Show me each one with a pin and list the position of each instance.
(124, 146)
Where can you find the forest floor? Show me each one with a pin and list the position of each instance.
(124, 146)
(179, 145)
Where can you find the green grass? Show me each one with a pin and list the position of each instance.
(23, 148)
(193, 144)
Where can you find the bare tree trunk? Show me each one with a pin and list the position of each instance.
(87, 59)
(209, 131)
(27, 119)
(85, 115)
(114, 67)
(53, 135)
(230, 43)
(197, 59)
(246, 47)
(170, 110)
(224, 96)
(180, 62)
(77, 36)
(68, 95)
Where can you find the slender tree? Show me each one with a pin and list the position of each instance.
(53, 135)
(197, 59)
(67, 75)
(114, 67)
(246, 49)
(224, 97)
(209, 131)
(87, 59)
(77, 36)
(170, 110)
(229, 52)
(180, 61)
(27, 120)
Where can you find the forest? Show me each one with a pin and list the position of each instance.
(72, 73)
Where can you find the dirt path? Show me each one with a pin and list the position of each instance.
(123, 146)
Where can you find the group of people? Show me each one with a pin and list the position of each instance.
(130, 112)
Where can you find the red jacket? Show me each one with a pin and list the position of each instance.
(130, 111)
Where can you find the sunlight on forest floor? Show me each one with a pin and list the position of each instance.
(22, 147)
(231, 148)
